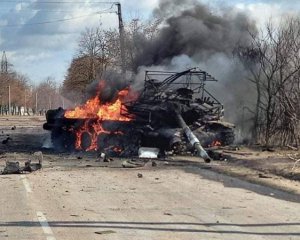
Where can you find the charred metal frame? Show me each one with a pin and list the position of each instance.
(157, 85)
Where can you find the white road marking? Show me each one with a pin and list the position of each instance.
(41, 217)
(26, 184)
(45, 226)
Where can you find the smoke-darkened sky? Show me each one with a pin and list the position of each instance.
(40, 37)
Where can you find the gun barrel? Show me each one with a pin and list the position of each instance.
(192, 138)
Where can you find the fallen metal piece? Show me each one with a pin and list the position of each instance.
(105, 232)
(146, 152)
(218, 156)
(238, 153)
(194, 141)
(31, 167)
(139, 175)
(12, 168)
(133, 164)
(154, 164)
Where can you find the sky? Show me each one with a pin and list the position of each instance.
(40, 36)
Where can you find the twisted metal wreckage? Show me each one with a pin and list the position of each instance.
(174, 113)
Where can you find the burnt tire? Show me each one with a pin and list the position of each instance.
(227, 137)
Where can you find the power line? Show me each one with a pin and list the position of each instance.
(60, 2)
(35, 10)
(59, 20)
(54, 21)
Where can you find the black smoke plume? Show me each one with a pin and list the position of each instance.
(193, 34)
(192, 29)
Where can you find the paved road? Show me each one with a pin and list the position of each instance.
(103, 203)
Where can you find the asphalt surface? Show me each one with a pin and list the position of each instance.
(112, 203)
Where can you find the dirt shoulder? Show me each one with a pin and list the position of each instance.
(276, 168)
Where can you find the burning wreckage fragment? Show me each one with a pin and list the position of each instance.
(174, 113)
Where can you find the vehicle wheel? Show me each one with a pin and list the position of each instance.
(227, 137)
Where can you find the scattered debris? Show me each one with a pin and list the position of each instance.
(31, 167)
(260, 175)
(168, 214)
(146, 152)
(269, 149)
(39, 156)
(6, 140)
(231, 148)
(12, 168)
(154, 164)
(217, 156)
(238, 153)
(105, 232)
(133, 163)
(101, 157)
(140, 175)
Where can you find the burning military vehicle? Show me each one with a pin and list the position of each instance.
(174, 113)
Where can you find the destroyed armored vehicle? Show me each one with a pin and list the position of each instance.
(170, 100)
(174, 113)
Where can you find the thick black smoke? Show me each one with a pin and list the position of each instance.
(194, 35)
(192, 29)
(106, 87)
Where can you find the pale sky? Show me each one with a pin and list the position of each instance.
(40, 49)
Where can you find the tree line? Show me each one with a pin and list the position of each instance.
(273, 63)
(18, 96)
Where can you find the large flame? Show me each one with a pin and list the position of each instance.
(95, 109)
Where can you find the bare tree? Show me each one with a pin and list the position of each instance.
(48, 95)
(273, 60)
(99, 51)
(93, 47)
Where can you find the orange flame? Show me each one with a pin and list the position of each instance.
(216, 143)
(93, 108)
(117, 149)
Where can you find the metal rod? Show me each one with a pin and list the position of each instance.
(192, 138)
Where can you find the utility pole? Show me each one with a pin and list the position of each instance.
(9, 102)
(122, 43)
(36, 105)
(24, 99)
(4, 64)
